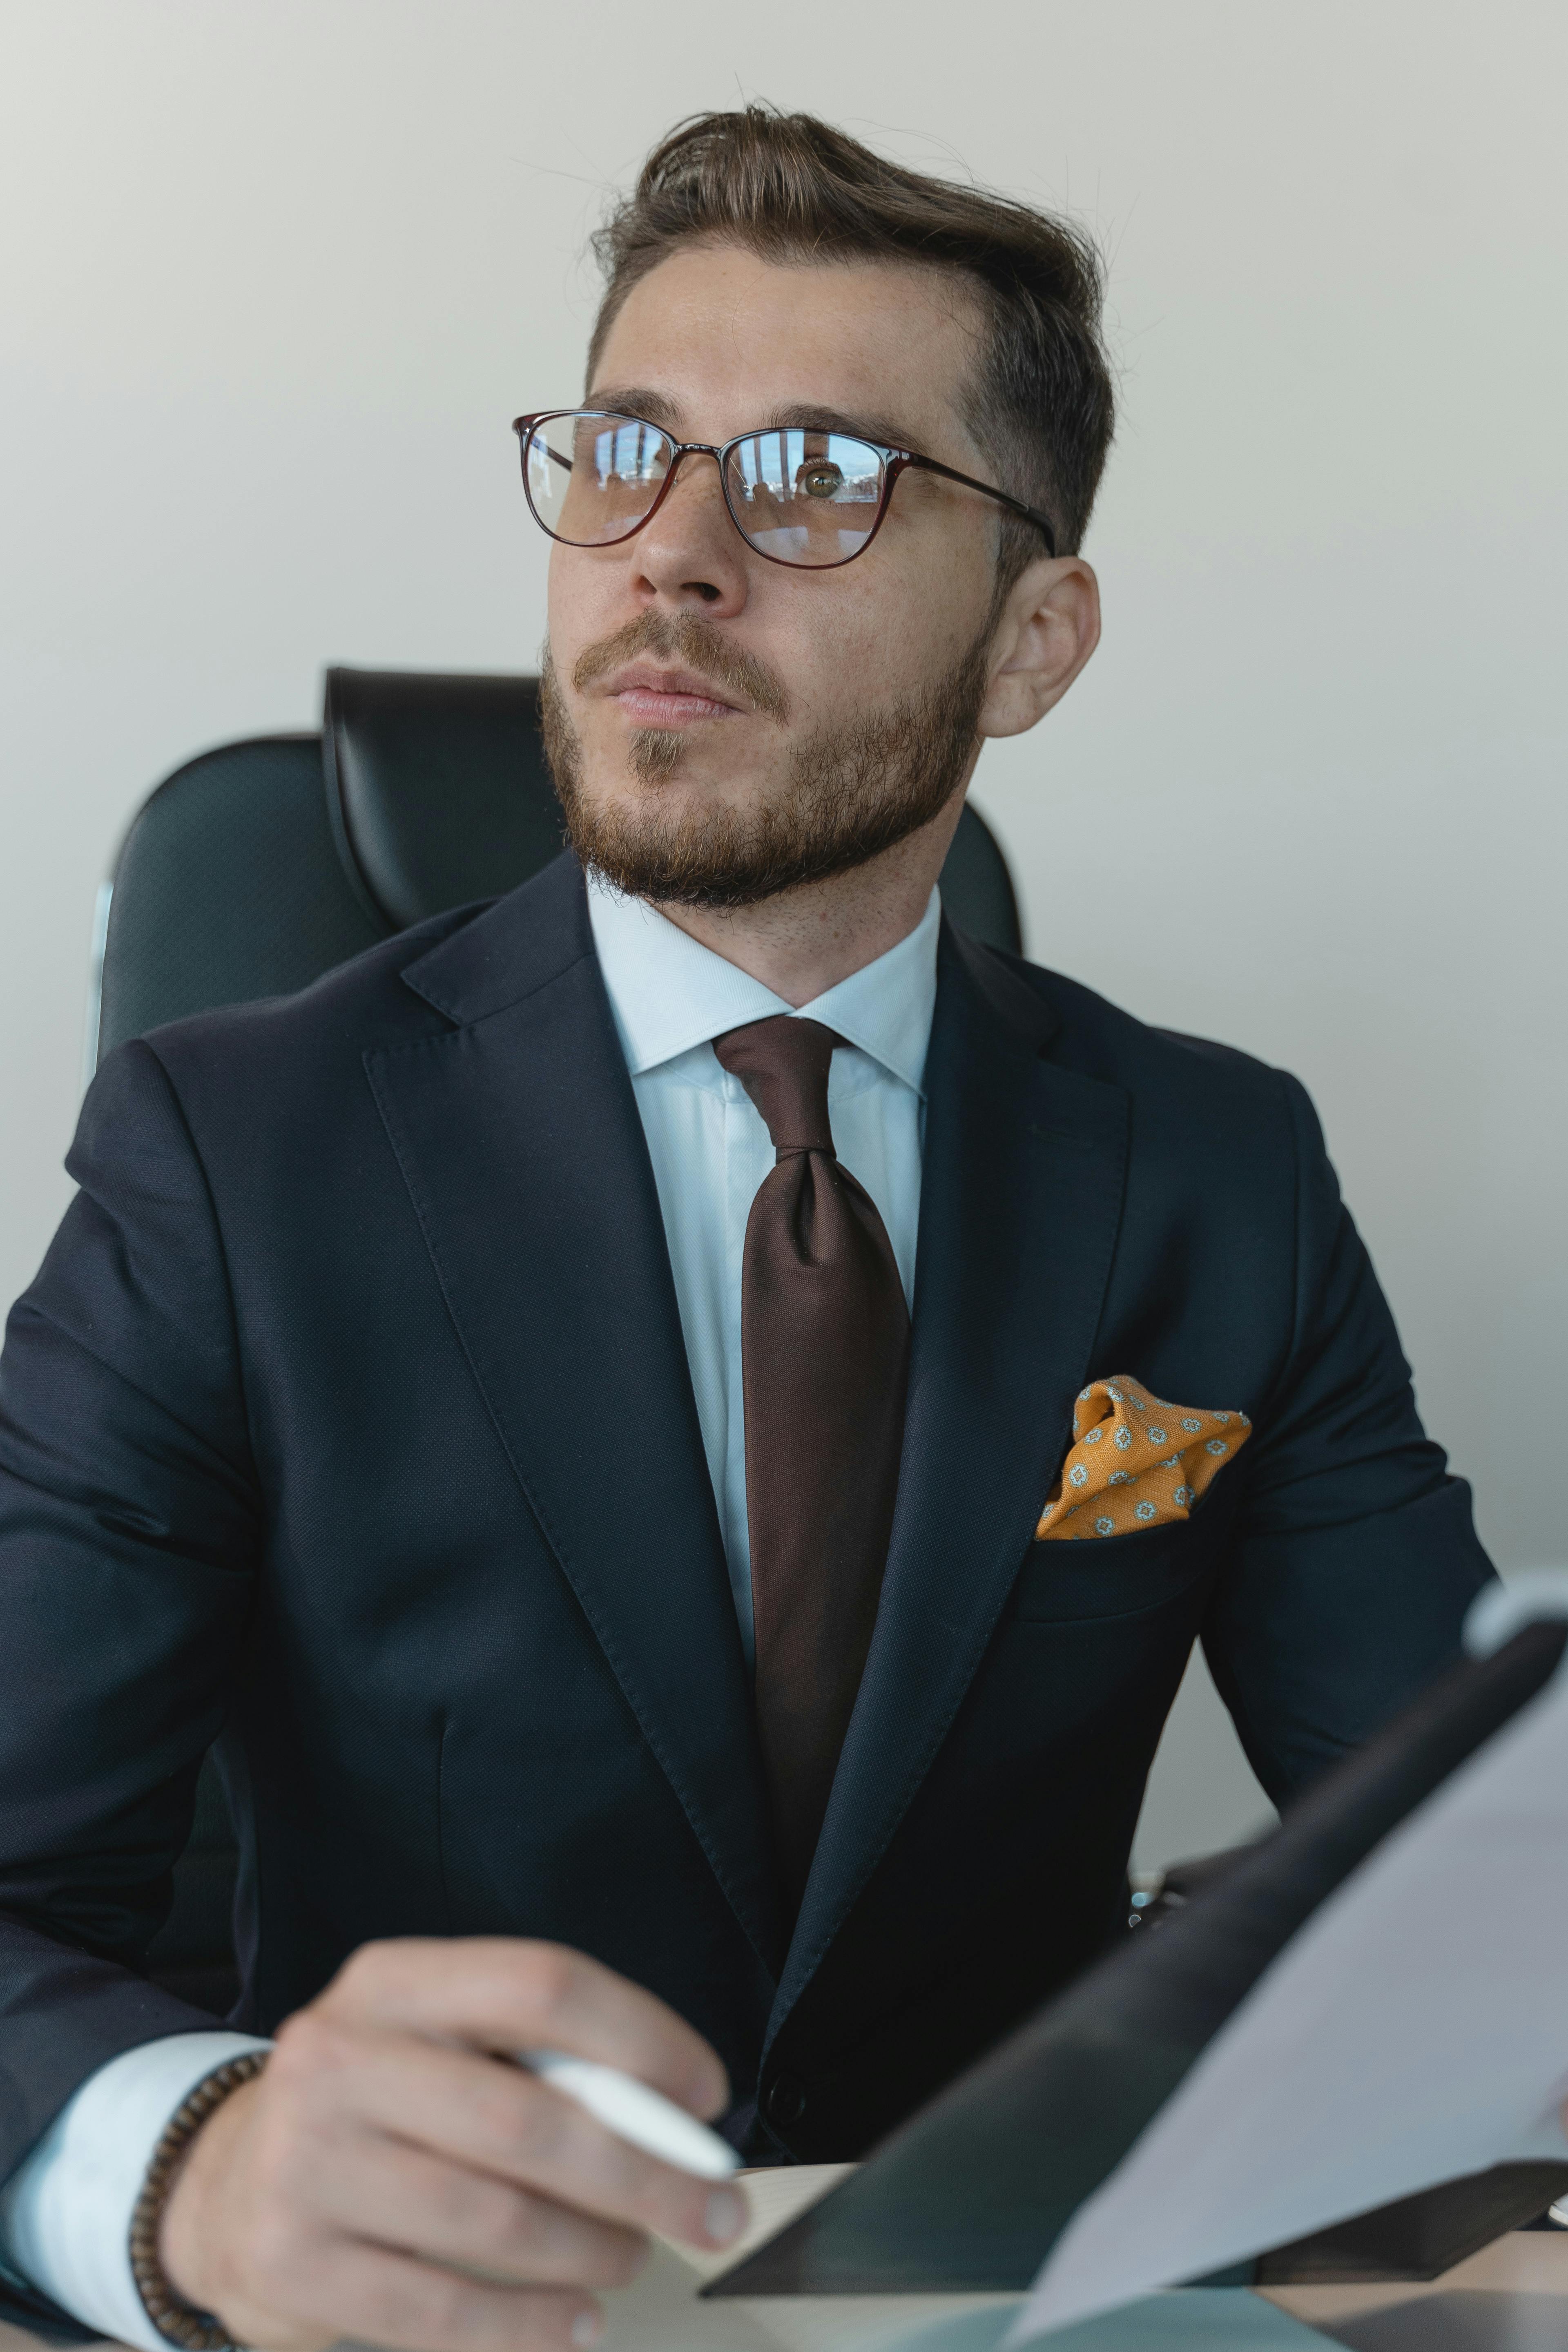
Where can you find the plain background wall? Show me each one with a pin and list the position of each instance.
(277, 274)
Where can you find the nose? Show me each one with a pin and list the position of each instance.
(690, 557)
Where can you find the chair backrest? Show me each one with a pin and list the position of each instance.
(258, 866)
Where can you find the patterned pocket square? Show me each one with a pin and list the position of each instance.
(1135, 1462)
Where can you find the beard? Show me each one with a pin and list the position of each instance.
(849, 791)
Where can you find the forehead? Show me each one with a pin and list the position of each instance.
(726, 337)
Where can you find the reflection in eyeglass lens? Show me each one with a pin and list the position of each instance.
(800, 497)
(593, 478)
(805, 497)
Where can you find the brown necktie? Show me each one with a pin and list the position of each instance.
(824, 1358)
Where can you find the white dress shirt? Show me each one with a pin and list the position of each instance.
(65, 2216)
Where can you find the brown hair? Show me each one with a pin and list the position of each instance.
(791, 187)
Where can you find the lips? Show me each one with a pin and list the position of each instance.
(653, 697)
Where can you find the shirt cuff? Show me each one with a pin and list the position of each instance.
(65, 2214)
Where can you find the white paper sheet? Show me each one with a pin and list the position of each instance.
(1416, 2029)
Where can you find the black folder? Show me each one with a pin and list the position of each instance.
(973, 2192)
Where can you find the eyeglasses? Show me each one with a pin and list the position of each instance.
(799, 495)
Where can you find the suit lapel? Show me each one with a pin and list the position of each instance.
(519, 1138)
(1021, 1199)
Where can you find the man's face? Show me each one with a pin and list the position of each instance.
(722, 726)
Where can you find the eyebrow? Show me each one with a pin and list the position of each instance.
(636, 400)
(795, 415)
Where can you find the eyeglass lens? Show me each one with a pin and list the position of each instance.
(803, 497)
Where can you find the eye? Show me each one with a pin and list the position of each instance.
(821, 479)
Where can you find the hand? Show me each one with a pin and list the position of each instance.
(390, 2152)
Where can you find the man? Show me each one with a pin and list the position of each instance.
(482, 1393)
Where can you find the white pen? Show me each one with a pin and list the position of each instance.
(635, 2112)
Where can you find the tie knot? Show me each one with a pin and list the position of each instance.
(783, 1064)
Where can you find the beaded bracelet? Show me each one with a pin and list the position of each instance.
(177, 2321)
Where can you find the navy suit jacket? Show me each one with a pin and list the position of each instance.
(348, 1425)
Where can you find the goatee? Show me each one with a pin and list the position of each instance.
(850, 792)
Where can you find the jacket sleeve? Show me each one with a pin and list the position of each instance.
(129, 1526)
(1356, 1557)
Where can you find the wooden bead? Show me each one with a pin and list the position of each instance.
(177, 2321)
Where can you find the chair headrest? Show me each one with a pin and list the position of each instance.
(437, 787)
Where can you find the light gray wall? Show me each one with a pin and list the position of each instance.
(277, 274)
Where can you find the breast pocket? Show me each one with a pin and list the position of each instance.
(1114, 1576)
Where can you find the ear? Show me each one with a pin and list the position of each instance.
(1048, 628)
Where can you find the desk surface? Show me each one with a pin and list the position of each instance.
(1510, 2297)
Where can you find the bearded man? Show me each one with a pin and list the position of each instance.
(593, 1405)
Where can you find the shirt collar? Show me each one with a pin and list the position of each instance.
(668, 992)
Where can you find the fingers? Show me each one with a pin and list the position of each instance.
(505, 1995)
(401, 2197)
(396, 2177)
(489, 2118)
(374, 2295)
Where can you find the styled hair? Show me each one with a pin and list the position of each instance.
(791, 188)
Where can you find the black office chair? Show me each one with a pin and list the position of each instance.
(258, 866)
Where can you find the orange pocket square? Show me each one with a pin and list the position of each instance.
(1135, 1462)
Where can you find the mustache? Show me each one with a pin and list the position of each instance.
(696, 645)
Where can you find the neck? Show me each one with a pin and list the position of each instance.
(806, 941)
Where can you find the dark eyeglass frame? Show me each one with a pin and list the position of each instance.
(894, 463)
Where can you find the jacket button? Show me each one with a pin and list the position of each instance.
(786, 2101)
